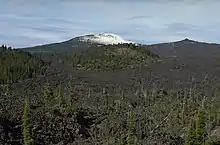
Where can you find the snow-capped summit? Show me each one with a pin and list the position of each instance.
(104, 38)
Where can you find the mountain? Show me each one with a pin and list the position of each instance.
(79, 43)
(182, 48)
(186, 48)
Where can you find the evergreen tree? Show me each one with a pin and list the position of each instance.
(28, 140)
(200, 127)
(196, 134)
(191, 134)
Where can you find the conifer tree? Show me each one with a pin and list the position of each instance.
(200, 127)
(196, 134)
(28, 140)
(191, 134)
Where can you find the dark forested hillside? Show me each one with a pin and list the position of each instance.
(112, 57)
(18, 65)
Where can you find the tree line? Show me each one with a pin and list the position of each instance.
(17, 65)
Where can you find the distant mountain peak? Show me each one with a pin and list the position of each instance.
(187, 40)
(104, 38)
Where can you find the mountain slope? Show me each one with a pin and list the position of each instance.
(187, 48)
(69, 45)
(79, 43)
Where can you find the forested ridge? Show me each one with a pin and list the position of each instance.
(18, 65)
(111, 57)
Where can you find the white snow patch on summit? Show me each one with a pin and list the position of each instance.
(104, 38)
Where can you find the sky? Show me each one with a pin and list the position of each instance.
(26, 23)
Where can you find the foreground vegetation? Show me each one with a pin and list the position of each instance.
(150, 116)
(111, 57)
(18, 65)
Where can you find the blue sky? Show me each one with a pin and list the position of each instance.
(32, 22)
